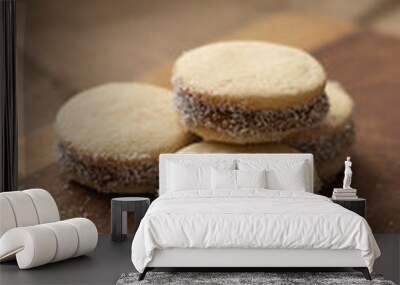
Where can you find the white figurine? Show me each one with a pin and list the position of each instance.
(347, 174)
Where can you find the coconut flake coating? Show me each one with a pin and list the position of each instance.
(327, 147)
(253, 126)
(106, 175)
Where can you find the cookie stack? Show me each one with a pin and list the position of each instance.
(248, 92)
(238, 97)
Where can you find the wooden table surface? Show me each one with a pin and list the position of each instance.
(366, 63)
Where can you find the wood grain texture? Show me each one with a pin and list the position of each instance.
(306, 32)
(366, 64)
(74, 200)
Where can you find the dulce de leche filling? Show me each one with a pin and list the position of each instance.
(329, 146)
(107, 176)
(234, 120)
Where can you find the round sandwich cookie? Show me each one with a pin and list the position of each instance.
(331, 141)
(109, 137)
(248, 92)
(216, 147)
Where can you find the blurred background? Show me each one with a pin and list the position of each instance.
(65, 46)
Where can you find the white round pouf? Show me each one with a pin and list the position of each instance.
(67, 239)
(45, 205)
(27, 208)
(23, 208)
(87, 233)
(7, 218)
(33, 246)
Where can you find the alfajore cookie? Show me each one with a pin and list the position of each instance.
(331, 141)
(216, 147)
(109, 137)
(248, 92)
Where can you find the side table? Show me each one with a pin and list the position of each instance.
(358, 206)
(119, 214)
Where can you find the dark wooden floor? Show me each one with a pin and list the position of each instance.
(110, 260)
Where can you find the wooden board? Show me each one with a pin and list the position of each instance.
(366, 65)
(285, 28)
(364, 62)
